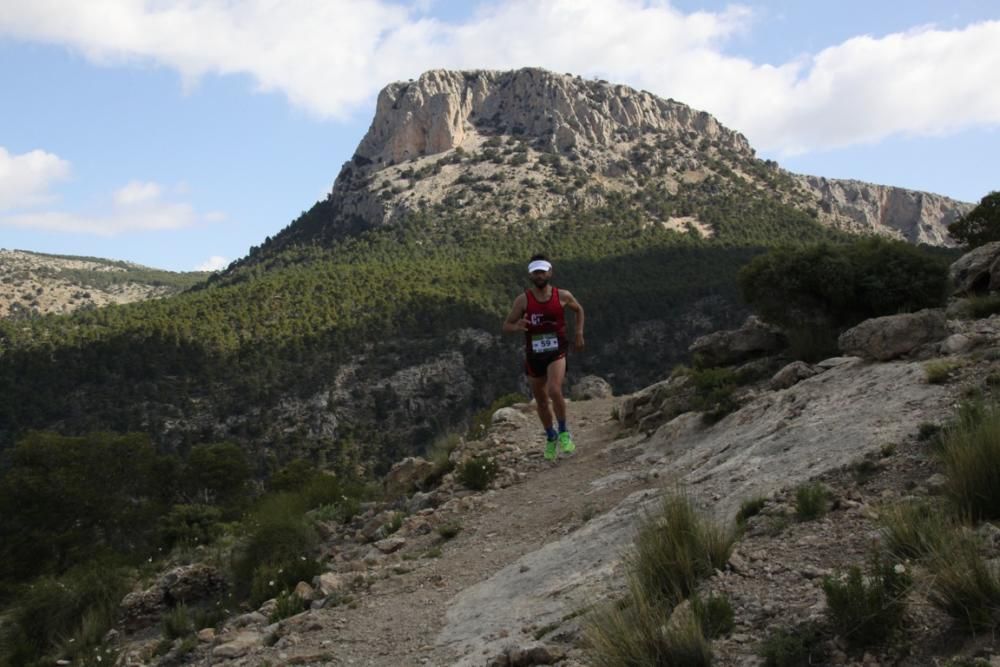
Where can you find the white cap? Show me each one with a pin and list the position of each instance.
(539, 265)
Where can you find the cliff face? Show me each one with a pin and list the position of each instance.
(856, 206)
(509, 148)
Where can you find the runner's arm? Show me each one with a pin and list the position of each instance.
(574, 305)
(515, 321)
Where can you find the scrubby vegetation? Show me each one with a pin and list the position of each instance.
(818, 291)
(674, 549)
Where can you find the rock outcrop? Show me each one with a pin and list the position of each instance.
(507, 147)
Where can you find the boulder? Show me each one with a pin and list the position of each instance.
(239, 645)
(658, 403)
(508, 417)
(893, 336)
(724, 348)
(976, 272)
(591, 386)
(406, 475)
(792, 374)
(183, 584)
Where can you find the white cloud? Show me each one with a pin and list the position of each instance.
(25, 179)
(137, 206)
(330, 57)
(137, 193)
(213, 263)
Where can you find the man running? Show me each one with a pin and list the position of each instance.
(540, 313)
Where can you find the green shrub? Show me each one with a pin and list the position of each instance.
(715, 615)
(939, 371)
(641, 632)
(272, 579)
(749, 508)
(675, 548)
(288, 604)
(178, 623)
(866, 610)
(394, 523)
(478, 472)
(811, 501)
(439, 454)
(981, 225)
(964, 584)
(981, 307)
(81, 605)
(449, 530)
(836, 286)
(793, 647)
(915, 530)
(190, 525)
(278, 536)
(970, 451)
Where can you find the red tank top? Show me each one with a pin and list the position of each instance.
(546, 332)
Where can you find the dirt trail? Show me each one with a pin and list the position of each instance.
(397, 620)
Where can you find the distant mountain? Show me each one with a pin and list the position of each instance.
(507, 149)
(33, 283)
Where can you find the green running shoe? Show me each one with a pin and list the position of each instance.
(566, 442)
(550, 450)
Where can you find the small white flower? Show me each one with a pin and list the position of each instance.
(271, 583)
(899, 569)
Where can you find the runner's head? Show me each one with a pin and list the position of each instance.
(540, 270)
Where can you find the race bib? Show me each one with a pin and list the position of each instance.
(544, 343)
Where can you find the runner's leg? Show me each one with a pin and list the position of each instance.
(541, 401)
(556, 372)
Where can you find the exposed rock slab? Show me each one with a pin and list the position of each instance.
(892, 336)
(779, 439)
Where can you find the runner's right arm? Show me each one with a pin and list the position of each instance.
(516, 321)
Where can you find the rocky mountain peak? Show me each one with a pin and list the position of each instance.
(529, 146)
(444, 110)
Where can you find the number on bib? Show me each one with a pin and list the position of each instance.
(543, 343)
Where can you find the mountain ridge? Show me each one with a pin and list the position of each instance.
(506, 148)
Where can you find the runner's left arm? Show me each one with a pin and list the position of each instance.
(574, 305)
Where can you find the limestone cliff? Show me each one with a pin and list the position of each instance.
(507, 148)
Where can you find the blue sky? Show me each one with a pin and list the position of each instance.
(179, 133)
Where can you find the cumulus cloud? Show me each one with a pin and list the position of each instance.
(135, 207)
(331, 56)
(213, 263)
(25, 179)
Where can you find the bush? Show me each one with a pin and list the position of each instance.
(836, 286)
(675, 548)
(641, 632)
(288, 604)
(979, 226)
(792, 647)
(915, 530)
(279, 538)
(478, 473)
(970, 451)
(866, 610)
(981, 307)
(811, 501)
(964, 584)
(177, 623)
(80, 605)
(715, 615)
(270, 580)
(939, 371)
(749, 508)
(190, 525)
(449, 530)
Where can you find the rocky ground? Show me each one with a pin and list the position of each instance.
(531, 555)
